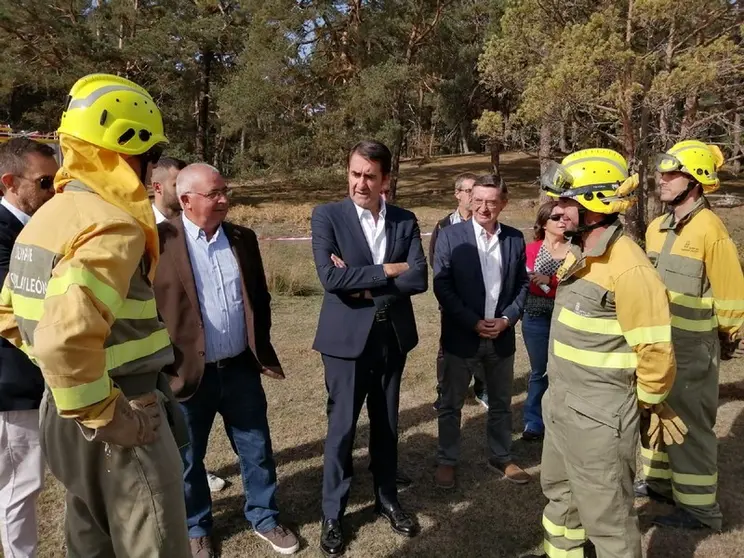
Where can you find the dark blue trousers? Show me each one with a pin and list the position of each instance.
(376, 376)
(236, 393)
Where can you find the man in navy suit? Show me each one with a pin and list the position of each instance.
(27, 170)
(481, 282)
(370, 261)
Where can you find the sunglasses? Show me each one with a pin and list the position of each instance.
(152, 155)
(43, 182)
(555, 217)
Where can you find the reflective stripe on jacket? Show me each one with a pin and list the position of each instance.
(78, 301)
(611, 324)
(699, 264)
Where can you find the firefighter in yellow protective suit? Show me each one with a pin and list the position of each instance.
(699, 264)
(78, 299)
(610, 361)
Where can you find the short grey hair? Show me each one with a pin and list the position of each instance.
(190, 175)
(462, 178)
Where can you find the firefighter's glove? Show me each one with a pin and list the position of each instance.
(731, 347)
(135, 422)
(663, 425)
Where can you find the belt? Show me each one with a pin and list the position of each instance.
(225, 362)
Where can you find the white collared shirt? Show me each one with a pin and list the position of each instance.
(455, 217)
(374, 232)
(17, 213)
(489, 252)
(159, 217)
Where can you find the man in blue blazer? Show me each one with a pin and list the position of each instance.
(481, 282)
(370, 261)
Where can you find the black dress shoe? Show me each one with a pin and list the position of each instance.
(679, 519)
(400, 521)
(332, 538)
(530, 436)
(643, 490)
(401, 479)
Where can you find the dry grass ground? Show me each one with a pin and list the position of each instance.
(483, 517)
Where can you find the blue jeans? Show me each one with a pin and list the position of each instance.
(236, 393)
(536, 333)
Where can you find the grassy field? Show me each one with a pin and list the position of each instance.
(482, 517)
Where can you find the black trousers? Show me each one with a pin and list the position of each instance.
(376, 376)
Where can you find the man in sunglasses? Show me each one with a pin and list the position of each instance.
(27, 170)
(78, 299)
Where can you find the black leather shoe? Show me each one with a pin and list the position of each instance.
(643, 490)
(401, 479)
(679, 519)
(332, 538)
(401, 522)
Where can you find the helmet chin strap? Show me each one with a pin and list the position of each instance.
(682, 196)
(575, 236)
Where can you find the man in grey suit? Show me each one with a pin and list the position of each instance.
(481, 282)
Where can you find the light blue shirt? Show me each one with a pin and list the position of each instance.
(217, 280)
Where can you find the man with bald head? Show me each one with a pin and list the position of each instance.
(212, 295)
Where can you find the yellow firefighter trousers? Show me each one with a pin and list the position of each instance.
(688, 473)
(120, 503)
(588, 468)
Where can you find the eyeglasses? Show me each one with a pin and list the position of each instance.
(43, 182)
(215, 194)
(490, 204)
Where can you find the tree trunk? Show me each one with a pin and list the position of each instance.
(544, 152)
(495, 148)
(397, 147)
(464, 133)
(738, 151)
(202, 115)
(691, 106)
(562, 139)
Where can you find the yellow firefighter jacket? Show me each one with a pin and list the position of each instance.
(610, 332)
(77, 299)
(699, 264)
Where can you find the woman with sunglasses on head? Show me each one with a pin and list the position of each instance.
(79, 300)
(544, 256)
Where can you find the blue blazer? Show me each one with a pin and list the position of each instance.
(458, 286)
(345, 322)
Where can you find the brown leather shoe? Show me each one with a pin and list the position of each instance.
(510, 471)
(281, 539)
(201, 547)
(445, 476)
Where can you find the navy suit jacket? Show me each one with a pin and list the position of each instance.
(21, 382)
(345, 322)
(458, 286)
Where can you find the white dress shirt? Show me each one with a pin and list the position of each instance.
(489, 252)
(374, 232)
(159, 217)
(17, 213)
(455, 217)
(217, 280)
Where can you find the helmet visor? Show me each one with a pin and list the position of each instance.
(667, 163)
(555, 179)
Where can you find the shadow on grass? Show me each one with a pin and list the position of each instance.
(484, 512)
(677, 543)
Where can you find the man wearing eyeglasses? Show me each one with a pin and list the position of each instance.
(27, 170)
(212, 294)
(481, 283)
(463, 188)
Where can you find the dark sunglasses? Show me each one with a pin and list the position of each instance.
(43, 182)
(555, 217)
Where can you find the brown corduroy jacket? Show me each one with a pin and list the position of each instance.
(178, 304)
